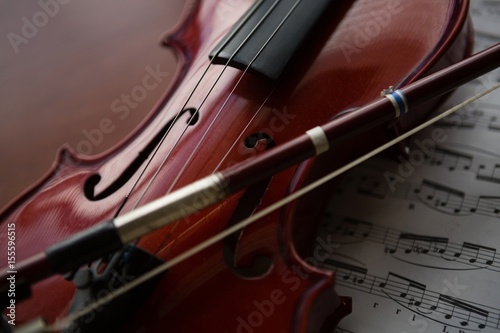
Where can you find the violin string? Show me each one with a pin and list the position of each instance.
(146, 166)
(191, 94)
(198, 145)
(163, 162)
(64, 323)
(219, 112)
(238, 139)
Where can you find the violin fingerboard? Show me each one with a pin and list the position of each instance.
(265, 39)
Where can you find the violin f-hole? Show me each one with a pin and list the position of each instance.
(252, 140)
(248, 203)
(142, 156)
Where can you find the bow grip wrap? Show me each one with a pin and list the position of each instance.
(84, 247)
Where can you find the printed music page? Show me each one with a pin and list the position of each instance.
(417, 240)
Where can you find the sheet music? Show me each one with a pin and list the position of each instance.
(416, 242)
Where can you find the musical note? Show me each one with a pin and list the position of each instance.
(454, 160)
(441, 197)
(475, 119)
(486, 205)
(353, 228)
(464, 312)
(416, 297)
(451, 159)
(472, 255)
(479, 253)
(424, 244)
(436, 196)
(461, 120)
(494, 123)
(391, 249)
(404, 288)
(355, 274)
(489, 173)
(374, 188)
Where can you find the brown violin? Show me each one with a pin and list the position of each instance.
(248, 83)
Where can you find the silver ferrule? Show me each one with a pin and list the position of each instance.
(170, 208)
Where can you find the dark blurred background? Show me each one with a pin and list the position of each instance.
(62, 64)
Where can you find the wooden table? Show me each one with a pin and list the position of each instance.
(62, 65)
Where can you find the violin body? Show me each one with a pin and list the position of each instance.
(358, 49)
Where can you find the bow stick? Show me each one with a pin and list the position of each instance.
(110, 236)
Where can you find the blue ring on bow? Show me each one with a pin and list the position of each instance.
(399, 101)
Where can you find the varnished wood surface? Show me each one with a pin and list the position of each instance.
(61, 80)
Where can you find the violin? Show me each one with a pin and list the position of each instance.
(247, 83)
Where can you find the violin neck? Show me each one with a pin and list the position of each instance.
(266, 38)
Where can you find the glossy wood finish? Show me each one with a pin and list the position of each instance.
(334, 72)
